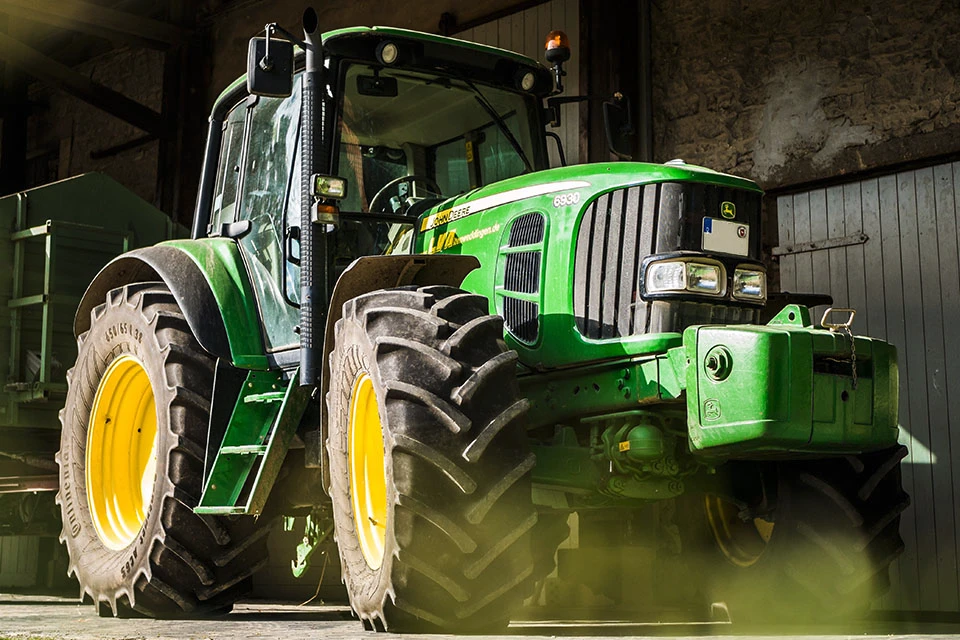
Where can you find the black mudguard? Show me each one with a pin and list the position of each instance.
(184, 279)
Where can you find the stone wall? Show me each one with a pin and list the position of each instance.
(792, 92)
(69, 130)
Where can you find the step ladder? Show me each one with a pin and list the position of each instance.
(255, 443)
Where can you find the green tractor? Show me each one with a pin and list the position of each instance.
(394, 318)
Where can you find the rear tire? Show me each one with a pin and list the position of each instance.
(826, 556)
(135, 544)
(442, 539)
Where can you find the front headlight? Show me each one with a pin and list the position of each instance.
(676, 276)
(749, 285)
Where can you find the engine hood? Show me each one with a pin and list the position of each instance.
(593, 178)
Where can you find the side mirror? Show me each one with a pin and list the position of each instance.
(618, 125)
(270, 67)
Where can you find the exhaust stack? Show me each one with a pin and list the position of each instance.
(314, 281)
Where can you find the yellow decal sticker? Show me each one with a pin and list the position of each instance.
(489, 202)
(476, 234)
(443, 241)
(444, 217)
(435, 220)
(469, 145)
(448, 239)
(625, 446)
(728, 210)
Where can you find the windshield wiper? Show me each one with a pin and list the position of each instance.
(500, 122)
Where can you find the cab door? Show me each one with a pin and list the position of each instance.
(257, 202)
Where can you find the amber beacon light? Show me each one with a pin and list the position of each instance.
(557, 46)
(557, 52)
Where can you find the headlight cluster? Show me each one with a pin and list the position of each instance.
(670, 276)
(682, 275)
(749, 285)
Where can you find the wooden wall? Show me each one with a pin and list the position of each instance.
(904, 282)
(525, 32)
(18, 561)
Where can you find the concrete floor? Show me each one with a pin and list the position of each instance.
(44, 617)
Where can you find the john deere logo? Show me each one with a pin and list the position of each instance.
(728, 210)
(711, 409)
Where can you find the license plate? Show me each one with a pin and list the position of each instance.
(723, 236)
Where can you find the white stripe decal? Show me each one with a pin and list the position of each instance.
(489, 202)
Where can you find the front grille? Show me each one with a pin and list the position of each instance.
(677, 315)
(527, 229)
(618, 230)
(522, 272)
(611, 243)
(521, 317)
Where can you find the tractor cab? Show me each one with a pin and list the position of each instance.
(407, 123)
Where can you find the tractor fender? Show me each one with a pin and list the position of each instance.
(209, 283)
(381, 272)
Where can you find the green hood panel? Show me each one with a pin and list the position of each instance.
(479, 223)
(599, 177)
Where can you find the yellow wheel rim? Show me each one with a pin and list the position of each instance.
(121, 457)
(742, 542)
(368, 480)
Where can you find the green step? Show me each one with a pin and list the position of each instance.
(270, 396)
(245, 449)
(254, 445)
(221, 511)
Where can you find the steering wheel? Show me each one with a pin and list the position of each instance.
(381, 194)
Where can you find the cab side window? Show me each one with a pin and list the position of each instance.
(228, 174)
(270, 178)
(274, 128)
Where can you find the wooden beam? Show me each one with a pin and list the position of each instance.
(97, 20)
(14, 110)
(643, 110)
(173, 109)
(607, 24)
(66, 79)
(13, 132)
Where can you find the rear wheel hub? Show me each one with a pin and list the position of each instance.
(121, 452)
(741, 541)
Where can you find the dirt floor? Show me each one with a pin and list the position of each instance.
(44, 617)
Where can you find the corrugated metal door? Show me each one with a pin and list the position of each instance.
(894, 258)
(18, 561)
(525, 32)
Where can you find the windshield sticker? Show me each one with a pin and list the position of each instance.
(489, 202)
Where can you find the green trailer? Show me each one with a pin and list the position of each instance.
(53, 241)
(395, 320)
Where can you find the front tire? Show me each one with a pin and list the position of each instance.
(131, 467)
(824, 552)
(430, 468)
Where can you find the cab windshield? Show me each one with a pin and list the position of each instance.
(408, 137)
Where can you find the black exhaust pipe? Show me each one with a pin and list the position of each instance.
(313, 240)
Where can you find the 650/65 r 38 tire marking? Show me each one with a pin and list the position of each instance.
(131, 467)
